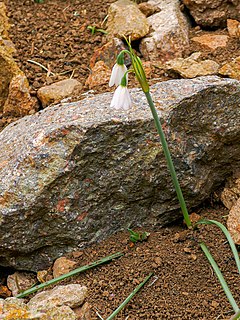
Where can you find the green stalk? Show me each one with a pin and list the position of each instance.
(220, 277)
(227, 235)
(69, 274)
(169, 160)
(123, 304)
(236, 316)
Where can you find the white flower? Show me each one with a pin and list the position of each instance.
(121, 98)
(118, 72)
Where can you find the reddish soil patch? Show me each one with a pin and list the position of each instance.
(55, 34)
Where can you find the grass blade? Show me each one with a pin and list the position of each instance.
(123, 304)
(69, 274)
(228, 236)
(220, 277)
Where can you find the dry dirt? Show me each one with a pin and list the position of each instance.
(55, 34)
(185, 286)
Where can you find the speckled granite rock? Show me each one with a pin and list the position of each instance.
(75, 173)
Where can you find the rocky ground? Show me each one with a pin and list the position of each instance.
(55, 34)
(183, 285)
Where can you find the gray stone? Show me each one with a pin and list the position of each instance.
(125, 19)
(213, 13)
(169, 36)
(75, 173)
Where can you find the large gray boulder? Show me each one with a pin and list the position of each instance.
(75, 173)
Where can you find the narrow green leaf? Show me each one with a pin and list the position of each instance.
(102, 30)
(123, 304)
(220, 277)
(228, 236)
(69, 274)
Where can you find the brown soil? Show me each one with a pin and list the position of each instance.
(184, 285)
(55, 34)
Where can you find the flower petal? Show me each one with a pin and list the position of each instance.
(117, 74)
(121, 98)
(113, 76)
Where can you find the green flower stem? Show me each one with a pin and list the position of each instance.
(169, 160)
(236, 316)
(220, 277)
(69, 274)
(123, 304)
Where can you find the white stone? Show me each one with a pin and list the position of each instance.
(169, 37)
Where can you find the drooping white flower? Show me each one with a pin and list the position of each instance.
(118, 72)
(121, 98)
